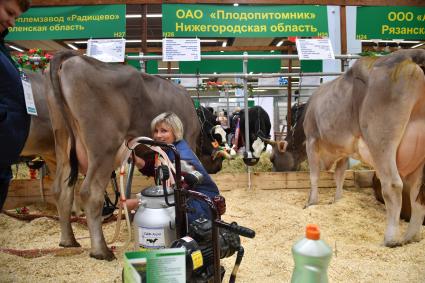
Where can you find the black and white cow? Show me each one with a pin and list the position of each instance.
(212, 145)
(259, 130)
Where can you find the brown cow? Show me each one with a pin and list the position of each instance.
(374, 112)
(288, 154)
(95, 108)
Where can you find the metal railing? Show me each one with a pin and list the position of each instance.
(244, 75)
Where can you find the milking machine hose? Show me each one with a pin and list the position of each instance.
(238, 261)
(237, 229)
(130, 176)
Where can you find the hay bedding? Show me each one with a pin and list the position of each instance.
(353, 227)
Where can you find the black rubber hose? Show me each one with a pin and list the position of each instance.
(238, 261)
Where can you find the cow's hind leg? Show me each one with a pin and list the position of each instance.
(92, 196)
(64, 196)
(414, 181)
(314, 164)
(64, 199)
(386, 110)
(340, 168)
(382, 150)
(392, 187)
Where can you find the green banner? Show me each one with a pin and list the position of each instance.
(311, 66)
(179, 20)
(390, 23)
(230, 66)
(99, 21)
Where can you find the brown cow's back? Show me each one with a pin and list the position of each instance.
(131, 96)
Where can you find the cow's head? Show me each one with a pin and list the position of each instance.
(288, 154)
(213, 145)
(218, 135)
(259, 131)
(282, 159)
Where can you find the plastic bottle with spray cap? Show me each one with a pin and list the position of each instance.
(312, 257)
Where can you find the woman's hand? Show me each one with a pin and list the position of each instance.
(132, 204)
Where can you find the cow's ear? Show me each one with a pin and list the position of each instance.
(281, 146)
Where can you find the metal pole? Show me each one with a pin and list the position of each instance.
(41, 174)
(343, 33)
(252, 76)
(261, 95)
(142, 64)
(144, 44)
(247, 152)
(144, 28)
(289, 100)
(345, 65)
(216, 249)
(243, 57)
(245, 101)
(228, 108)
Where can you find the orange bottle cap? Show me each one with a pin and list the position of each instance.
(312, 232)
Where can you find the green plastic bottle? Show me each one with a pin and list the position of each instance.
(312, 257)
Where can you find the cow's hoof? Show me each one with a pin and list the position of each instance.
(69, 244)
(307, 205)
(392, 244)
(109, 256)
(335, 200)
(415, 239)
(310, 203)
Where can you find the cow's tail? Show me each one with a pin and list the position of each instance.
(55, 66)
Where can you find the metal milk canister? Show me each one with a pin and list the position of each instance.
(154, 221)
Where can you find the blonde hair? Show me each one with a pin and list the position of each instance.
(172, 120)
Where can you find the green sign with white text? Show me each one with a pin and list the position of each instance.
(99, 21)
(179, 20)
(390, 23)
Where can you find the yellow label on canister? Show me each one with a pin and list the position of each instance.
(197, 259)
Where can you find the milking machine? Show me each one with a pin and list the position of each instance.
(161, 222)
